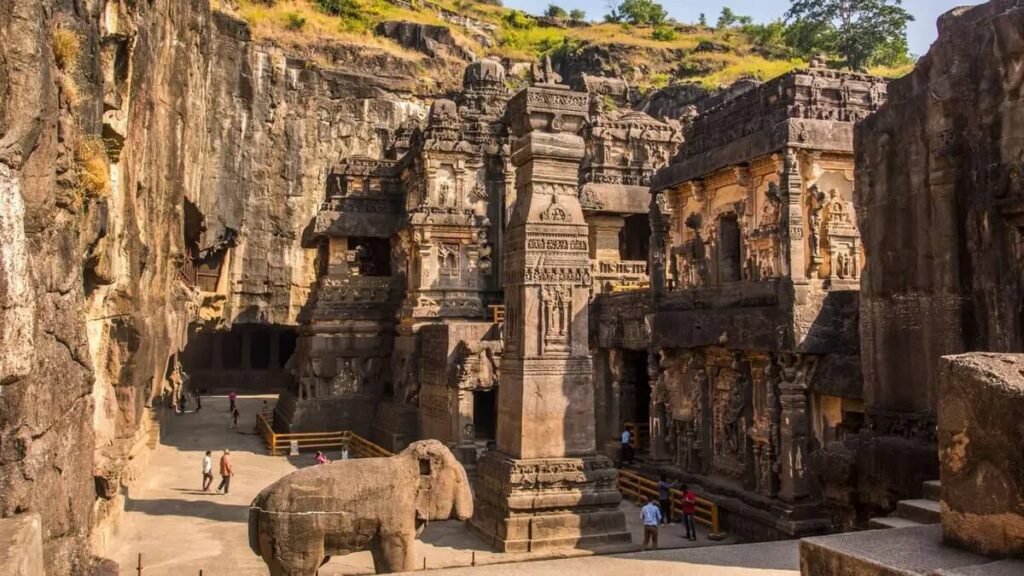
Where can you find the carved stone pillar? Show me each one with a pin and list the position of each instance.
(793, 259)
(546, 486)
(661, 225)
(796, 483)
(623, 406)
(658, 418)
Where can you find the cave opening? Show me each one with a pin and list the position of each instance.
(249, 358)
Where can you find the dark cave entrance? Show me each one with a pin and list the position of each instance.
(249, 358)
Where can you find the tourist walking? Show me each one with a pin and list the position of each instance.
(665, 497)
(650, 515)
(199, 401)
(626, 450)
(231, 398)
(226, 472)
(689, 509)
(234, 418)
(183, 403)
(320, 458)
(207, 471)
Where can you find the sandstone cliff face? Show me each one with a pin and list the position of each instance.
(939, 199)
(209, 137)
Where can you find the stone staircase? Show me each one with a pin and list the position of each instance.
(916, 512)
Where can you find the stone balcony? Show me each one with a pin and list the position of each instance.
(619, 275)
(339, 298)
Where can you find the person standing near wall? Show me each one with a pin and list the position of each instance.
(689, 509)
(626, 449)
(665, 497)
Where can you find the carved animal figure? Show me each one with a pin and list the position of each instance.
(297, 523)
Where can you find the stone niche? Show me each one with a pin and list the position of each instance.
(981, 435)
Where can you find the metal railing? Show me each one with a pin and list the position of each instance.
(276, 442)
(641, 489)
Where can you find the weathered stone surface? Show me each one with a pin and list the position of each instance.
(754, 267)
(21, 546)
(938, 203)
(981, 431)
(916, 551)
(350, 505)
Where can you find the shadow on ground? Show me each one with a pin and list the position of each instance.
(209, 510)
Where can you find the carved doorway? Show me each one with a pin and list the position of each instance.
(485, 414)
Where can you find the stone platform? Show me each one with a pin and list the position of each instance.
(915, 551)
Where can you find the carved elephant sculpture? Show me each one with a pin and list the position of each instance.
(297, 523)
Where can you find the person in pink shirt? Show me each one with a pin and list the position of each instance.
(232, 397)
(320, 458)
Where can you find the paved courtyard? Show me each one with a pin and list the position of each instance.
(180, 530)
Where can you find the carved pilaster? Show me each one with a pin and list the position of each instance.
(793, 258)
(795, 372)
(661, 225)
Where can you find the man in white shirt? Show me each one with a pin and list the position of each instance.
(207, 472)
(626, 450)
(650, 515)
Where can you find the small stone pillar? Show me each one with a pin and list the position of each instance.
(604, 237)
(794, 430)
(546, 486)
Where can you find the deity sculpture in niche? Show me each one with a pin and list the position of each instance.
(728, 425)
(815, 199)
(557, 304)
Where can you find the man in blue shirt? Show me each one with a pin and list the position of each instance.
(626, 451)
(650, 515)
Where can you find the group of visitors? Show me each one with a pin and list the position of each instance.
(226, 472)
(658, 511)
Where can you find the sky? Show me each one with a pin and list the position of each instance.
(921, 33)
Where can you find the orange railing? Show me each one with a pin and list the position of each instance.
(497, 313)
(277, 442)
(641, 489)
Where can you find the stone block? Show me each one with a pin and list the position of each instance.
(981, 432)
(916, 551)
(21, 546)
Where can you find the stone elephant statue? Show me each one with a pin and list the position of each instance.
(297, 523)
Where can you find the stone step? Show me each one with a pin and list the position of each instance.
(891, 522)
(932, 490)
(921, 510)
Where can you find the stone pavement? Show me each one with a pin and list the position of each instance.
(180, 530)
(762, 559)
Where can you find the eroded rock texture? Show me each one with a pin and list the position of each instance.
(939, 200)
(212, 150)
(981, 430)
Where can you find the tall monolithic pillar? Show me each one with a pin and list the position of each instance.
(546, 486)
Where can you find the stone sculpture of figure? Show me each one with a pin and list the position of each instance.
(544, 74)
(297, 523)
(814, 221)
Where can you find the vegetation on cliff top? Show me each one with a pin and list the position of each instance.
(734, 49)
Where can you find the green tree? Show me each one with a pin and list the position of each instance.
(703, 21)
(728, 19)
(577, 15)
(865, 32)
(555, 11)
(642, 12)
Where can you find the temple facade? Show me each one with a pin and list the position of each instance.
(404, 333)
(752, 345)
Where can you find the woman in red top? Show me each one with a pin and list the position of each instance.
(689, 508)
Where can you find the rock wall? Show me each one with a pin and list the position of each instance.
(208, 137)
(939, 200)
